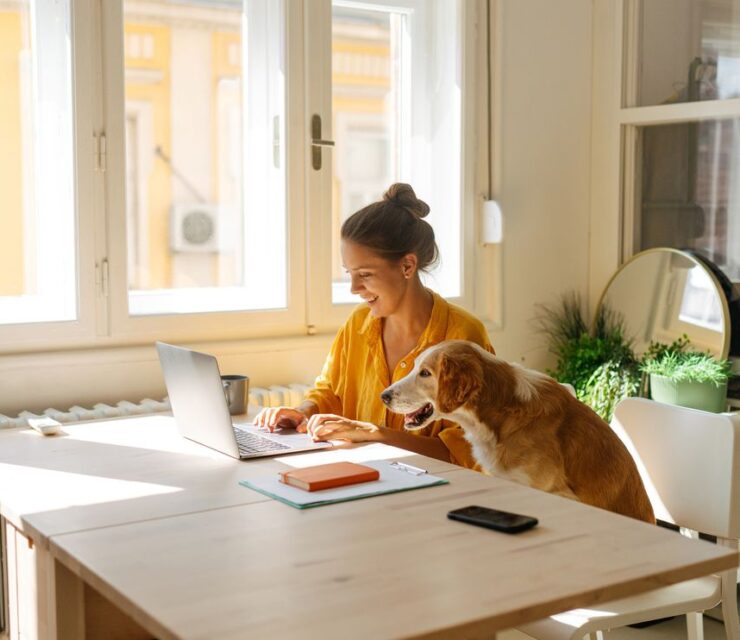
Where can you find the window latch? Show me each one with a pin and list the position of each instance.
(101, 152)
(317, 142)
(102, 276)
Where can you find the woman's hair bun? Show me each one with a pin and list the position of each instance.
(403, 195)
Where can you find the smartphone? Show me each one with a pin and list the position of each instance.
(493, 519)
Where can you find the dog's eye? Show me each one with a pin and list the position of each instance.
(425, 373)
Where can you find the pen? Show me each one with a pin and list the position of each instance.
(402, 466)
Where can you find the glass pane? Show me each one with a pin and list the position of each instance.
(689, 51)
(37, 216)
(205, 156)
(396, 107)
(690, 191)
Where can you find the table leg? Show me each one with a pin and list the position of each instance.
(82, 612)
(69, 609)
(30, 594)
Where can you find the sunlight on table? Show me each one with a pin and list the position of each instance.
(360, 454)
(47, 489)
(161, 435)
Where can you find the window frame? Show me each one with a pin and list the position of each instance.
(323, 315)
(630, 117)
(224, 325)
(40, 335)
(99, 195)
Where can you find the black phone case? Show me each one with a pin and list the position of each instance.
(482, 521)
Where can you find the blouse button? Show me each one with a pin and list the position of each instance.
(403, 364)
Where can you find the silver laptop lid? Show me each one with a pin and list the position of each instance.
(197, 397)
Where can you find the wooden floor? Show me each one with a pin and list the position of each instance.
(674, 629)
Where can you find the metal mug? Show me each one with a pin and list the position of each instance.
(236, 390)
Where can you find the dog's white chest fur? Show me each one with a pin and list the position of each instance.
(483, 441)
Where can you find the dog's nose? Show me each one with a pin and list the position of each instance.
(386, 396)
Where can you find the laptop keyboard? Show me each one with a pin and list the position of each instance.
(252, 443)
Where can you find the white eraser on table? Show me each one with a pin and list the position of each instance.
(45, 426)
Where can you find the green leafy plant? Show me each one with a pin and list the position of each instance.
(608, 384)
(659, 349)
(601, 364)
(688, 366)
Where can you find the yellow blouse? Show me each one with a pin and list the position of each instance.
(355, 372)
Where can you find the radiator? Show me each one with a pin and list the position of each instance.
(289, 395)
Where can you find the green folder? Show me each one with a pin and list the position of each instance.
(394, 477)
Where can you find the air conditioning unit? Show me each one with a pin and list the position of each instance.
(194, 228)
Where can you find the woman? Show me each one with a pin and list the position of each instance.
(384, 248)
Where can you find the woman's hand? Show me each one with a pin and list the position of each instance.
(326, 426)
(281, 418)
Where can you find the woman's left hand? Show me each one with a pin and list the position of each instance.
(326, 426)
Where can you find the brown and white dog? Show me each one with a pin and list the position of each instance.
(522, 425)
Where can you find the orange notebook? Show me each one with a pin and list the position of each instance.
(326, 476)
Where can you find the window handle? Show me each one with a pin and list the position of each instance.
(317, 142)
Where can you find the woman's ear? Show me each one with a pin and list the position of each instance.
(409, 264)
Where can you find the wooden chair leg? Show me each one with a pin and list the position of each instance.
(695, 626)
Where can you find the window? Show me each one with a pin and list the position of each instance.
(205, 167)
(682, 132)
(159, 180)
(397, 118)
(38, 267)
(690, 189)
(689, 51)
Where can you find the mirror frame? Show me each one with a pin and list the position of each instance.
(726, 334)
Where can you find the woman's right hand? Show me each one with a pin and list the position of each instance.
(281, 418)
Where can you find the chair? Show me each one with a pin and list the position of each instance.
(689, 461)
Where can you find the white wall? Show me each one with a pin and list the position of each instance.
(544, 161)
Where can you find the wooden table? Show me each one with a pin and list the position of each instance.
(105, 473)
(194, 555)
(100, 474)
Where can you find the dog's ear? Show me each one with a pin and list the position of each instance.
(458, 380)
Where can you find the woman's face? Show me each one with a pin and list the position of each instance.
(379, 282)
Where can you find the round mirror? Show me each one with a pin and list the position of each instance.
(662, 294)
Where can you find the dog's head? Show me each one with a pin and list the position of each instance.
(444, 378)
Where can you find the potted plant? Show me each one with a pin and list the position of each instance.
(688, 378)
(599, 362)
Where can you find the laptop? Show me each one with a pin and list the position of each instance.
(201, 412)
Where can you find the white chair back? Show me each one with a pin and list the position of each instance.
(689, 461)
